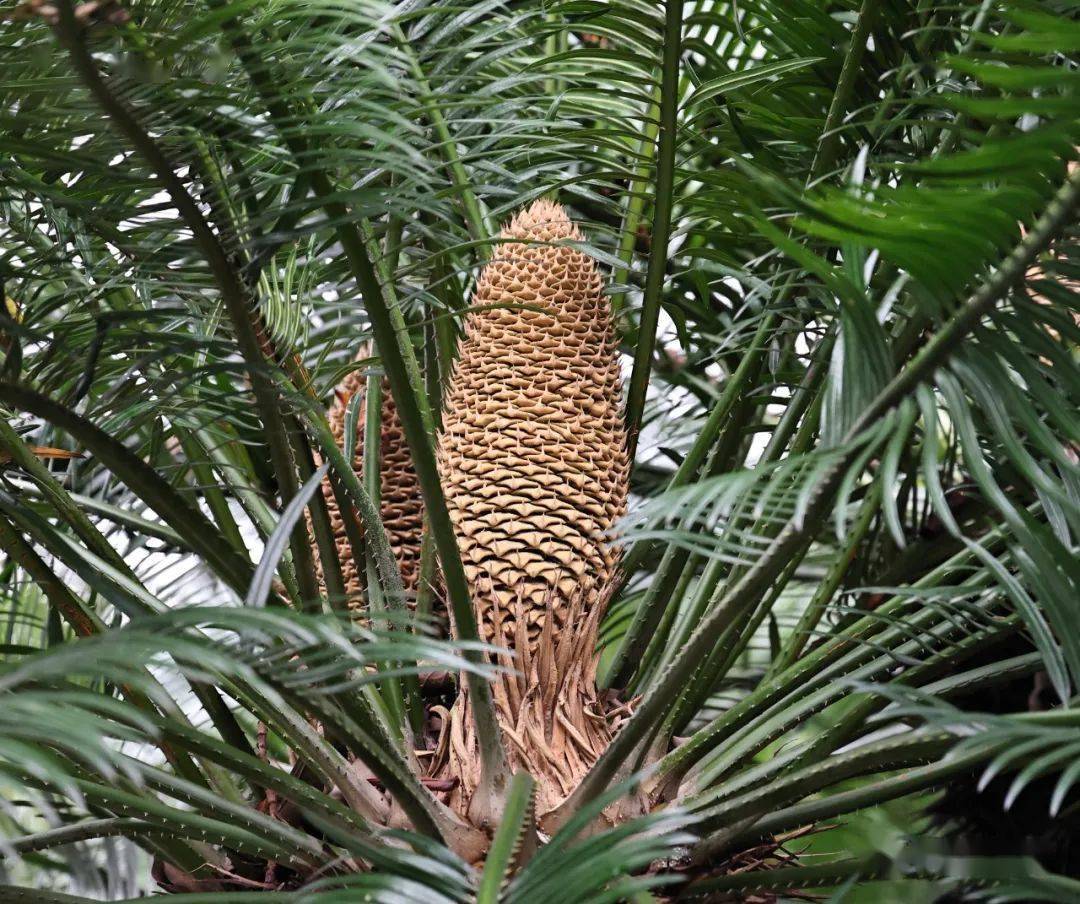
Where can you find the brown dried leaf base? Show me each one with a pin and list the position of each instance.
(771, 853)
(554, 721)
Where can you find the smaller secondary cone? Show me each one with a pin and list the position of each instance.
(534, 465)
(400, 505)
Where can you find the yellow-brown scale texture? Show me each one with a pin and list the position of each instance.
(401, 506)
(533, 461)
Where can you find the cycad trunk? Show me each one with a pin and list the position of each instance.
(533, 461)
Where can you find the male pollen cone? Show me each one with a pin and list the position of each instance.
(533, 462)
(401, 506)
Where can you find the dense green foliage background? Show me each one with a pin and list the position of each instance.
(841, 241)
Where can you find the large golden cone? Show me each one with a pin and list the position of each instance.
(533, 461)
(401, 505)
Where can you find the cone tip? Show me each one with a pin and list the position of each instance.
(544, 220)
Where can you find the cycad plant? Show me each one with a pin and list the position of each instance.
(582, 451)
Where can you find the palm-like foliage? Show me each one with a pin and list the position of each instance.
(842, 247)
